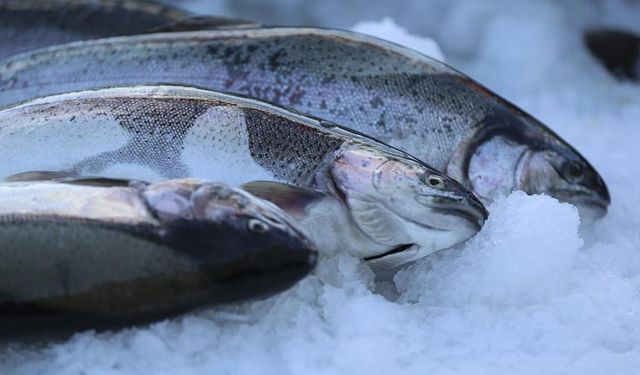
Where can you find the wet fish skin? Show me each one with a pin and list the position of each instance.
(31, 24)
(110, 257)
(392, 93)
(159, 132)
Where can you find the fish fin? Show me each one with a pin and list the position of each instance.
(71, 178)
(292, 199)
(39, 176)
(100, 181)
(376, 221)
(205, 23)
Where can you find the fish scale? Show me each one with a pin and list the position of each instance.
(291, 155)
(156, 129)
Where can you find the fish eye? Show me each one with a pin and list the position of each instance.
(573, 171)
(258, 226)
(436, 182)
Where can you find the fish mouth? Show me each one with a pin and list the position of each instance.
(475, 213)
(396, 250)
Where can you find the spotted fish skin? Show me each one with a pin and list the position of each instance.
(112, 256)
(31, 24)
(386, 91)
(154, 133)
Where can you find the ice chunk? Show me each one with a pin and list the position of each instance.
(524, 254)
(389, 30)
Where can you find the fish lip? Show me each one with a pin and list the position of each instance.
(571, 196)
(476, 221)
(584, 200)
(395, 250)
(475, 212)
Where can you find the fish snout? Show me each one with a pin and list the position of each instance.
(466, 206)
(465, 203)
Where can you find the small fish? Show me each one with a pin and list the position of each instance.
(378, 202)
(32, 24)
(392, 93)
(112, 256)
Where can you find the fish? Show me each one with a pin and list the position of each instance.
(101, 254)
(389, 92)
(618, 50)
(32, 24)
(376, 201)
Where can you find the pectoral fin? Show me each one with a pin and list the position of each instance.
(99, 181)
(66, 177)
(40, 176)
(292, 199)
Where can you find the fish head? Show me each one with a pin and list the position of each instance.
(563, 173)
(403, 203)
(526, 155)
(232, 230)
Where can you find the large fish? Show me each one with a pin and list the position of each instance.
(375, 202)
(395, 94)
(31, 24)
(87, 255)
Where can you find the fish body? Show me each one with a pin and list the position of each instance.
(78, 256)
(158, 132)
(392, 93)
(31, 24)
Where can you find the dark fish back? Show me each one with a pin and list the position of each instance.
(31, 24)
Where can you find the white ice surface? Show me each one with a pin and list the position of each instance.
(531, 294)
(388, 29)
